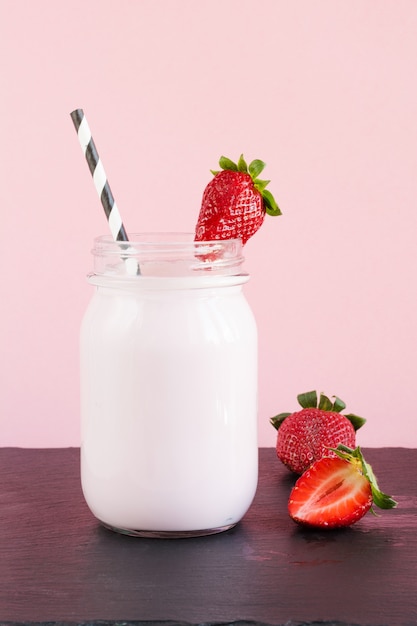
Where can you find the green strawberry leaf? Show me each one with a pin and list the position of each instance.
(278, 419)
(381, 499)
(227, 164)
(256, 167)
(271, 206)
(308, 400)
(260, 184)
(214, 172)
(338, 405)
(355, 420)
(325, 404)
(242, 166)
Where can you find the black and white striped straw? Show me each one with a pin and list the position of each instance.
(102, 187)
(99, 176)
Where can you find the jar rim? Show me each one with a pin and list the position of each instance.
(166, 254)
(160, 239)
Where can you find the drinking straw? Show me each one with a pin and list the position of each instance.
(101, 183)
(99, 176)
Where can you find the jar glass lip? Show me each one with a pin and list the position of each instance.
(149, 240)
(166, 254)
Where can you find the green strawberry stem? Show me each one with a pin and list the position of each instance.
(380, 499)
(253, 169)
(309, 400)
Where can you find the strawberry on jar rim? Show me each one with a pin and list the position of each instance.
(305, 436)
(336, 491)
(235, 202)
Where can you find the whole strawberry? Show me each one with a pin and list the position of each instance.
(306, 436)
(234, 202)
(336, 491)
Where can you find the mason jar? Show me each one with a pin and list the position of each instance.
(168, 387)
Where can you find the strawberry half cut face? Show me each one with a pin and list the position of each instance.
(331, 494)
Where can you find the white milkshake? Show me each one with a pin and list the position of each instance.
(169, 394)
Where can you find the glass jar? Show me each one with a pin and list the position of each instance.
(168, 387)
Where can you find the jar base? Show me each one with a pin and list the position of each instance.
(168, 534)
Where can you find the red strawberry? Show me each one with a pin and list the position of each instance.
(306, 436)
(235, 202)
(336, 491)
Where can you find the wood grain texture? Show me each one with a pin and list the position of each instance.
(57, 564)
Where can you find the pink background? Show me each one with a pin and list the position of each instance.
(324, 92)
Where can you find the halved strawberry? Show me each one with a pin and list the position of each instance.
(336, 491)
(305, 436)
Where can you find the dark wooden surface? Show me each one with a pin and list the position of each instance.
(58, 565)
